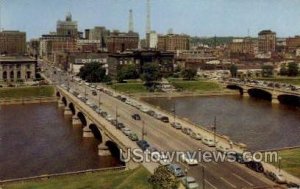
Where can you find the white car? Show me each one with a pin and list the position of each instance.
(144, 109)
(209, 142)
(109, 118)
(164, 160)
(188, 159)
(126, 131)
(222, 149)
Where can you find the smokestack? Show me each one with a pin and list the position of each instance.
(148, 19)
(130, 24)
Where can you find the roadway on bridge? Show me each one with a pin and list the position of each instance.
(220, 175)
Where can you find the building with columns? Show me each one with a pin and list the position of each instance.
(17, 68)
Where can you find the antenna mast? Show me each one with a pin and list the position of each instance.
(148, 21)
(130, 24)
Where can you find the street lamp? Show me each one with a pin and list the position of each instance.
(215, 129)
(174, 110)
(143, 130)
(99, 99)
(186, 177)
(279, 164)
(203, 178)
(117, 116)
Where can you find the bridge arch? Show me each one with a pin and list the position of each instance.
(259, 93)
(236, 87)
(291, 100)
(64, 100)
(82, 118)
(72, 108)
(113, 148)
(96, 132)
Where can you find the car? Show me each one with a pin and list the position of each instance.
(98, 110)
(103, 114)
(164, 119)
(109, 118)
(189, 182)
(93, 86)
(126, 131)
(151, 112)
(292, 185)
(237, 157)
(99, 88)
(94, 93)
(114, 122)
(255, 165)
(144, 109)
(136, 117)
(276, 177)
(176, 125)
(196, 136)
(222, 149)
(187, 131)
(120, 126)
(133, 137)
(143, 144)
(208, 141)
(158, 116)
(164, 160)
(188, 159)
(176, 170)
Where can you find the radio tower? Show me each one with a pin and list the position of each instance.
(0, 16)
(148, 21)
(130, 24)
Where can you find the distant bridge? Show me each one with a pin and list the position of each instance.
(274, 95)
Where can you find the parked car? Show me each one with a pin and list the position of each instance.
(164, 119)
(187, 131)
(143, 144)
(114, 122)
(136, 117)
(120, 126)
(209, 142)
(103, 114)
(196, 136)
(176, 170)
(151, 112)
(133, 137)
(94, 93)
(189, 182)
(276, 177)
(256, 166)
(291, 185)
(237, 156)
(98, 110)
(109, 118)
(164, 160)
(126, 131)
(188, 159)
(176, 125)
(222, 149)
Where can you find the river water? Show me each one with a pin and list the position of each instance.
(257, 123)
(37, 139)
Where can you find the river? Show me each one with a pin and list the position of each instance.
(257, 123)
(37, 139)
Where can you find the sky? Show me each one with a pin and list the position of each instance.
(202, 18)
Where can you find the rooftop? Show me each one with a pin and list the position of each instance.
(16, 59)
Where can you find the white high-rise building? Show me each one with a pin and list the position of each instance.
(152, 39)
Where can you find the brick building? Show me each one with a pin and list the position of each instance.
(173, 42)
(266, 41)
(12, 42)
(120, 41)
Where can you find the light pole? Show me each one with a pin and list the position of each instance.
(174, 111)
(203, 178)
(279, 164)
(99, 99)
(215, 129)
(117, 116)
(186, 177)
(143, 130)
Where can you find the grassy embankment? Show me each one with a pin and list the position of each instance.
(26, 92)
(288, 80)
(131, 86)
(132, 179)
(290, 161)
(200, 85)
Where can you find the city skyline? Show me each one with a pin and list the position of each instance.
(213, 17)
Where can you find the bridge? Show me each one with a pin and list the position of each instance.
(274, 95)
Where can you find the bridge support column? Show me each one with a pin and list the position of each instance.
(75, 121)
(87, 132)
(275, 101)
(67, 111)
(60, 104)
(103, 150)
(246, 94)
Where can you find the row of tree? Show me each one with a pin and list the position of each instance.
(94, 72)
(292, 69)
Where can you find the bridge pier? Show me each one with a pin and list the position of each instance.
(67, 111)
(87, 132)
(103, 150)
(275, 101)
(75, 120)
(60, 104)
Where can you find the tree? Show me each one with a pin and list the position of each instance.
(233, 70)
(163, 179)
(127, 72)
(189, 74)
(293, 69)
(283, 70)
(151, 73)
(93, 72)
(267, 70)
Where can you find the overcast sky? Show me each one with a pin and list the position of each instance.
(193, 17)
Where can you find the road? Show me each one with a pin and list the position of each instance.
(217, 175)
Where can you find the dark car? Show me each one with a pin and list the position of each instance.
(256, 166)
(94, 93)
(136, 117)
(143, 144)
(120, 126)
(164, 119)
(104, 114)
(187, 131)
(151, 112)
(114, 122)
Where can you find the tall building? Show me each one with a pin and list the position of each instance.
(266, 41)
(67, 27)
(121, 41)
(241, 46)
(173, 42)
(293, 43)
(151, 40)
(13, 42)
(99, 33)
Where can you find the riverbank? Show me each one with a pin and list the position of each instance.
(288, 80)
(26, 92)
(130, 179)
